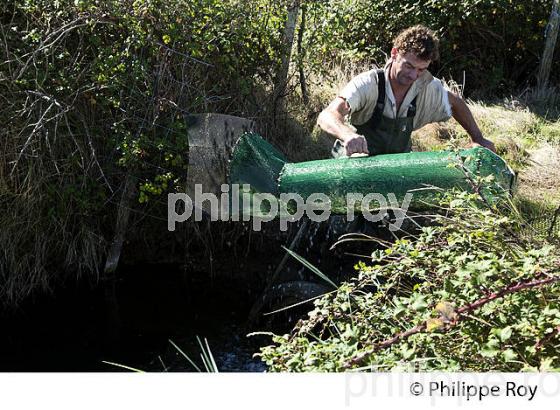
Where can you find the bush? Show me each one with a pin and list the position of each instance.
(465, 294)
(495, 43)
(94, 91)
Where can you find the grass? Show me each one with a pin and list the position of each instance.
(206, 355)
(528, 142)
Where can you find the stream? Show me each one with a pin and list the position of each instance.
(66, 329)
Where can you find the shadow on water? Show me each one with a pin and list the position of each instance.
(67, 330)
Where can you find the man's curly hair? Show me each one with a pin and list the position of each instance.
(420, 41)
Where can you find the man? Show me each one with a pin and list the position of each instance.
(385, 106)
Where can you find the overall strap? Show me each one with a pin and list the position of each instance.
(380, 106)
(377, 115)
(412, 108)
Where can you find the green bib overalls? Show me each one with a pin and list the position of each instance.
(384, 135)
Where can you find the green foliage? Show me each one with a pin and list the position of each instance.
(465, 294)
(496, 43)
(129, 71)
(94, 92)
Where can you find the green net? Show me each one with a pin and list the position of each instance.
(421, 175)
(257, 163)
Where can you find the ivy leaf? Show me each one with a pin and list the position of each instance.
(546, 365)
(504, 334)
(491, 348)
(489, 352)
(406, 351)
(418, 302)
(509, 355)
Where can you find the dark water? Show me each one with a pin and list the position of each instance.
(70, 330)
(159, 310)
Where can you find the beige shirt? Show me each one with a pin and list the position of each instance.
(432, 104)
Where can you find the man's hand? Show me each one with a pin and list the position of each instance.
(355, 144)
(483, 142)
(331, 120)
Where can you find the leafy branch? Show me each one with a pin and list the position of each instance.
(461, 314)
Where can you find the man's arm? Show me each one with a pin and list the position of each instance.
(331, 120)
(463, 115)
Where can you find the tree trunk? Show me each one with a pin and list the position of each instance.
(113, 320)
(548, 53)
(281, 80)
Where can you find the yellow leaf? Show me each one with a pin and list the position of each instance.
(433, 324)
(446, 310)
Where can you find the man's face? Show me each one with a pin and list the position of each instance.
(407, 67)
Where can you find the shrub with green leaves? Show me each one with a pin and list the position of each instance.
(94, 92)
(466, 293)
(496, 44)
